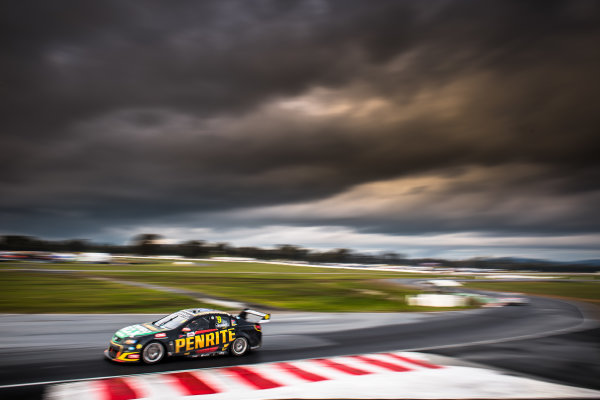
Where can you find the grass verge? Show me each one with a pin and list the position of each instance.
(289, 291)
(226, 268)
(278, 286)
(581, 291)
(27, 292)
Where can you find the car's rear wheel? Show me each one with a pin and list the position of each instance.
(153, 352)
(239, 347)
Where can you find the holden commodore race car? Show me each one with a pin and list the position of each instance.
(192, 332)
(512, 299)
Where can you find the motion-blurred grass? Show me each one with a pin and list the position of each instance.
(582, 291)
(277, 286)
(222, 267)
(291, 292)
(27, 292)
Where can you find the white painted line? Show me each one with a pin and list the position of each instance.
(576, 328)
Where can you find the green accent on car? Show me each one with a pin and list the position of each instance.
(134, 330)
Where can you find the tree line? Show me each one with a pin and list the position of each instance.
(150, 244)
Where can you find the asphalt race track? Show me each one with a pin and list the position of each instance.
(548, 339)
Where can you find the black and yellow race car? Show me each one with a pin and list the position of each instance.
(192, 332)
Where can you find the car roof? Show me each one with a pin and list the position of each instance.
(202, 311)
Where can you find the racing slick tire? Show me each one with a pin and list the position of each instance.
(153, 352)
(239, 347)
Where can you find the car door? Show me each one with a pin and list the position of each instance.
(213, 336)
(191, 337)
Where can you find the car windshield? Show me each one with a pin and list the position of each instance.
(173, 320)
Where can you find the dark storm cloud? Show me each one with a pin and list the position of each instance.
(122, 112)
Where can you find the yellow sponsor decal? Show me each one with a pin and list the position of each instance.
(205, 340)
(126, 357)
(210, 339)
(189, 344)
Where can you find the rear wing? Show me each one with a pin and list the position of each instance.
(262, 317)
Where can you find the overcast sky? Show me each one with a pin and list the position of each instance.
(431, 128)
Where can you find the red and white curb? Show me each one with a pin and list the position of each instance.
(372, 376)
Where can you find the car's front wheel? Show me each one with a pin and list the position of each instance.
(153, 352)
(239, 347)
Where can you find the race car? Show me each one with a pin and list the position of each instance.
(512, 299)
(192, 332)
